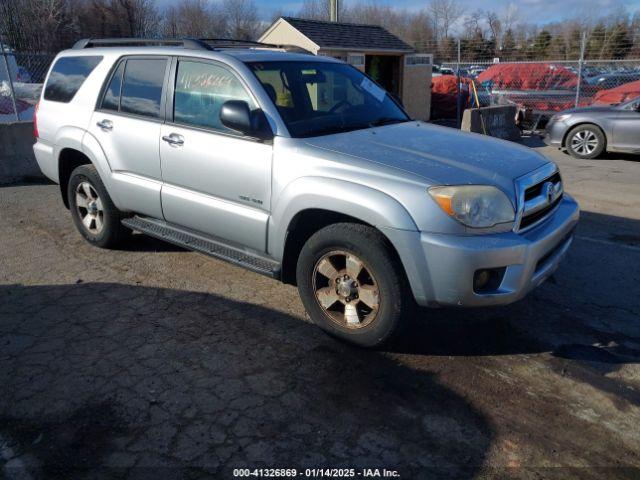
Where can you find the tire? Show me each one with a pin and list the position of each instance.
(92, 210)
(585, 142)
(369, 308)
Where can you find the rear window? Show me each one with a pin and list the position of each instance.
(67, 76)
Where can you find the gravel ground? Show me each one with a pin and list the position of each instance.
(157, 362)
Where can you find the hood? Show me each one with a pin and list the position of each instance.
(440, 155)
(590, 109)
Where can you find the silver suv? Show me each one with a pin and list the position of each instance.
(300, 168)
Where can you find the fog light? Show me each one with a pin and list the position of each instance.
(487, 279)
(480, 279)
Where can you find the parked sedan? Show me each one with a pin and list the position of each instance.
(588, 131)
(612, 80)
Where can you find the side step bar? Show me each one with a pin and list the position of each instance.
(201, 243)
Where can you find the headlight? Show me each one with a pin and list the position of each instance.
(561, 118)
(476, 206)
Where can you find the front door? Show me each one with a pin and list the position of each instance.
(127, 126)
(215, 180)
(626, 128)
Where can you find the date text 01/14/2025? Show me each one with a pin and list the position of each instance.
(316, 473)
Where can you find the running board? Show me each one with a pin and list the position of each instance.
(201, 243)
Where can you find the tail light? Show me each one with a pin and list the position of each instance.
(35, 121)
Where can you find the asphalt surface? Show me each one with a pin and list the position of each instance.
(152, 361)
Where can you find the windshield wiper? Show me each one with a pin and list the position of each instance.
(332, 129)
(385, 121)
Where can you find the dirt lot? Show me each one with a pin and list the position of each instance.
(157, 362)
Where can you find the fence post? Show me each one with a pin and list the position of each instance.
(459, 100)
(11, 90)
(583, 44)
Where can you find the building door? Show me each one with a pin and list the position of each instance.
(385, 69)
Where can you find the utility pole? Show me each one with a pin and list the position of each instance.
(459, 100)
(583, 45)
(333, 10)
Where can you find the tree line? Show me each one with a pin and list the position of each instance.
(442, 27)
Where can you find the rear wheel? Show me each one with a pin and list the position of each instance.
(585, 141)
(352, 284)
(94, 214)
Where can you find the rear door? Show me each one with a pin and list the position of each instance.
(216, 181)
(127, 125)
(626, 129)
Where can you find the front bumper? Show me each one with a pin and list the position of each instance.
(554, 134)
(441, 267)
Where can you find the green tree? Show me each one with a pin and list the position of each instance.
(541, 45)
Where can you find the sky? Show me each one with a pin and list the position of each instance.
(531, 11)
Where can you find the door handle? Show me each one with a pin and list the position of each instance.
(174, 140)
(105, 124)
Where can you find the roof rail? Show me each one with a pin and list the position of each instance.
(123, 42)
(191, 43)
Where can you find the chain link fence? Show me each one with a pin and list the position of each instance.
(21, 79)
(538, 87)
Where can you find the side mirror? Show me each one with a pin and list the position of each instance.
(236, 115)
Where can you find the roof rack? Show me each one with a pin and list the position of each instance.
(220, 43)
(191, 43)
(123, 42)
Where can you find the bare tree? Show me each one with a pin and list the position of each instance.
(510, 16)
(241, 18)
(320, 10)
(444, 13)
(194, 18)
(495, 29)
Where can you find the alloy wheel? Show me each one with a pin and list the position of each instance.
(584, 142)
(345, 289)
(89, 207)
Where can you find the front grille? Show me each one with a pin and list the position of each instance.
(539, 199)
(539, 215)
(535, 191)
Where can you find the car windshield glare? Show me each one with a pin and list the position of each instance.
(321, 98)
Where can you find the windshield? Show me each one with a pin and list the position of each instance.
(321, 98)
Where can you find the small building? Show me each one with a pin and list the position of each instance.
(371, 48)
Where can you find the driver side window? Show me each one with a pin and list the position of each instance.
(201, 90)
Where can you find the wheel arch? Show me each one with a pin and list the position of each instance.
(312, 204)
(68, 160)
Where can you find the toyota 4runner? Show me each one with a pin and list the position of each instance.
(301, 168)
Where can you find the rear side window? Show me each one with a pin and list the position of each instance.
(142, 87)
(67, 76)
(111, 100)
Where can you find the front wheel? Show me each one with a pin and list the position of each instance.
(585, 141)
(352, 284)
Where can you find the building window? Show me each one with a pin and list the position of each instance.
(356, 59)
(418, 59)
